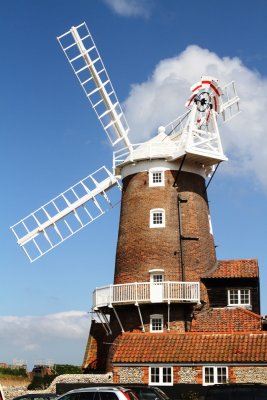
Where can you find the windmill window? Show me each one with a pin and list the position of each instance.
(156, 275)
(157, 218)
(156, 323)
(156, 178)
(215, 375)
(239, 297)
(161, 376)
(157, 278)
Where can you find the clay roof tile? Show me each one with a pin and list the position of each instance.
(247, 268)
(188, 347)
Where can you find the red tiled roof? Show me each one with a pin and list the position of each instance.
(190, 348)
(235, 269)
(226, 320)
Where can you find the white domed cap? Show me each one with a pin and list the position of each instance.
(161, 129)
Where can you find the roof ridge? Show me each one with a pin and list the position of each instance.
(161, 334)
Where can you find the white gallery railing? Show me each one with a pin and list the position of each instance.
(143, 292)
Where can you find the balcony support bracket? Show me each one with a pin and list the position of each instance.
(168, 329)
(105, 322)
(118, 319)
(140, 316)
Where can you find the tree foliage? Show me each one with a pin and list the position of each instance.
(42, 382)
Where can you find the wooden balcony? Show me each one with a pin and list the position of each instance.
(146, 292)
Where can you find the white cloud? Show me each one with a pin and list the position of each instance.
(60, 337)
(161, 99)
(129, 8)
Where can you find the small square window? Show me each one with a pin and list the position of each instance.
(156, 178)
(157, 278)
(157, 218)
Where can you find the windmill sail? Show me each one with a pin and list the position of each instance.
(83, 56)
(67, 214)
(230, 102)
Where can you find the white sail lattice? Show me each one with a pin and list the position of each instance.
(67, 213)
(83, 56)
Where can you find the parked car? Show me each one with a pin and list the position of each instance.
(37, 396)
(237, 391)
(148, 392)
(100, 393)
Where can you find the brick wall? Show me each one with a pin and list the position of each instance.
(141, 248)
(131, 322)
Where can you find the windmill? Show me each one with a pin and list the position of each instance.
(192, 138)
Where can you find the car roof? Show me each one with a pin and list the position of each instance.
(35, 395)
(99, 388)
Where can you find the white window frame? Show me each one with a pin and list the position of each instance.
(239, 302)
(161, 174)
(216, 375)
(152, 223)
(158, 317)
(161, 370)
(156, 275)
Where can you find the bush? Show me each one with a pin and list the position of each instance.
(61, 369)
(40, 383)
(18, 372)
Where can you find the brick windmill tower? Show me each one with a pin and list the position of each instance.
(165, 252)
(165, 241)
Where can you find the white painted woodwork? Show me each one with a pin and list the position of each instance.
(142, 292)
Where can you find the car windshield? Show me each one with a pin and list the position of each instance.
(146, 393)
(131, 395)
(162, 394)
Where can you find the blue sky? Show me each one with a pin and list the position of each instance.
(154, 50)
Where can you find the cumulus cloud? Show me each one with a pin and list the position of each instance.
(129, 8)
(161, 99)
(58, 337)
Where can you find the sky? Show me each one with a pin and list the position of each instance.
(154, 51)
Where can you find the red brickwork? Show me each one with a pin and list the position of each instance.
(116, 374)
(141, 248)
(199, 378)
(96, 352)
(131, 322)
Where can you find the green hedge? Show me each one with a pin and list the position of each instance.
(61, 369)
(18, 372)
